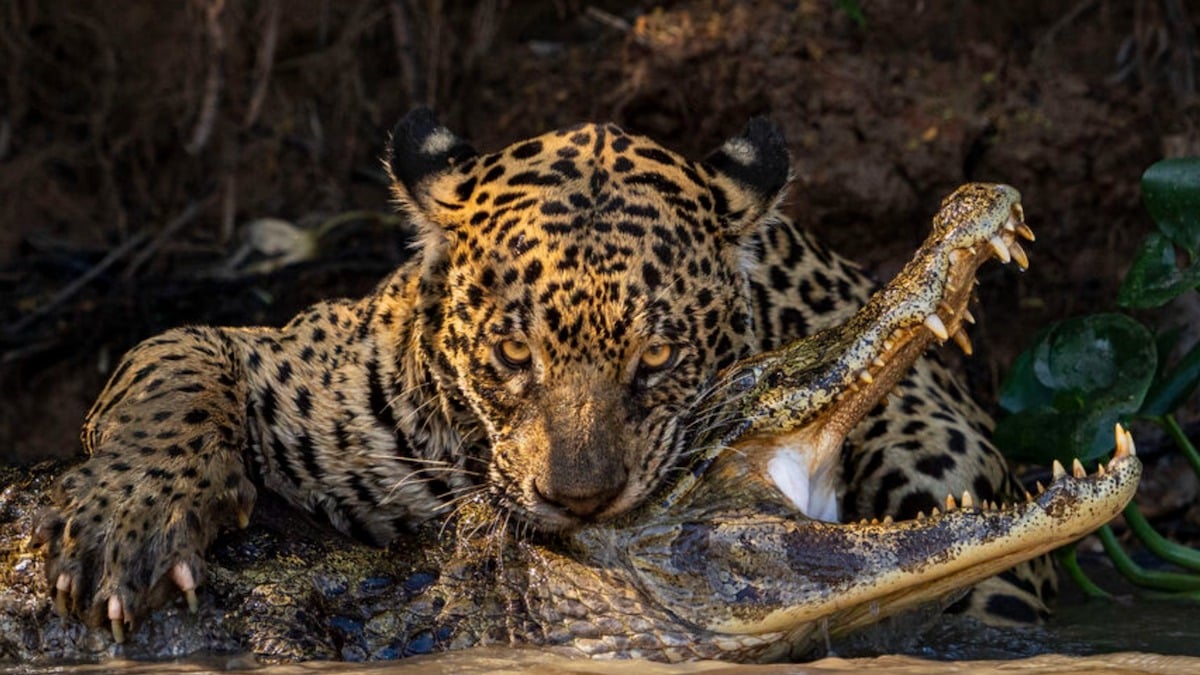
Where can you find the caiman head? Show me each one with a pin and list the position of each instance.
(730, 553)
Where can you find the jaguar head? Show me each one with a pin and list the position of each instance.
(579, 292)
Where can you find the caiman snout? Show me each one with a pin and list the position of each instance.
(581, 500)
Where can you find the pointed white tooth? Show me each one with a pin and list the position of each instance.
(968, 316)
(1040, 488)
(1125, 444)
(920, 515)
(935, 326)
(874, 521)
(1100, 471)
(866, 377)
(887, 520)
(1000, 249)
(888, 345)
(1010, 225)
(934, 513)
(1057, 470)
(950, 503)
(1028, 497)
(878, 362)
(1025, 233)
(1077, 469)
(963, 342)
(1018, 255)
(966, 501)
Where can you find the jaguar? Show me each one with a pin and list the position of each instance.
(568, 305)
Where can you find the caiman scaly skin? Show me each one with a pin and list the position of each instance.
(719, 564)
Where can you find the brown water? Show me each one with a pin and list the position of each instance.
(1146, 636)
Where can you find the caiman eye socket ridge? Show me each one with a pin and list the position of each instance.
(514, 354)
(658, 358)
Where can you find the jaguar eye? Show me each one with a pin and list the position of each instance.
(514, 353)
(658, 357)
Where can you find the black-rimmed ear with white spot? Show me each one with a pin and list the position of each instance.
(419, 151)
(751, 171)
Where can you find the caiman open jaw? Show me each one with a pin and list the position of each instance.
(728, 554)
(760, 580)
(798, 410)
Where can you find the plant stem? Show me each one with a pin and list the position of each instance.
(1184, 556)
(1163, 581)
(1067, 558)
(1181, 439)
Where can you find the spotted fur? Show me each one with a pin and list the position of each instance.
(568, 299)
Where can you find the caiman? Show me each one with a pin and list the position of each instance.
(721, 563)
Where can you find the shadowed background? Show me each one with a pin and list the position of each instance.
(212, 161)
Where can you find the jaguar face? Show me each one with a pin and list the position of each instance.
(589, 286)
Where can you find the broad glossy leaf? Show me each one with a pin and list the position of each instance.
(1171, 191)
(1155, 278)
(1067, 391)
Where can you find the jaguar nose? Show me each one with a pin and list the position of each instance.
(580, 503)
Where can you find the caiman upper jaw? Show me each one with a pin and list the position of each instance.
(800, 402)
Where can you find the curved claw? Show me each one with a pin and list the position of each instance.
(62, 592)
(181, 574)
(116, 615)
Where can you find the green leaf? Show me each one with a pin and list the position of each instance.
(1021, 389)
(853, 10)
(1171, 190)
(1080, 377)
(1175, 386)
(1155, 278)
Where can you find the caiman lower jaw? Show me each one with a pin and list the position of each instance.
(796, 437)
(848, 576)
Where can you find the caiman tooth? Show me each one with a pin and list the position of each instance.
(1018, 254)
(945, 308)
(874, 521)
(1040, 488)
(1028, 497)
(966, 501)
(1057, 470)
(866, 377)
(950, 503)
(963, 342)
(934, 512)
(1125, 446)
(935, 326)
(1077, 469)
(888, 345)
(1000, 249)
(878, 362)
(920, 515)
(1025, 233)
(968, 316)
(1100, 471)
(887, 520)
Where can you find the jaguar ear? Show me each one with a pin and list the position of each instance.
(421, 150)
(751, 171)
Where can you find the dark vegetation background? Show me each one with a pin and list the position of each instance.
(140, 142)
